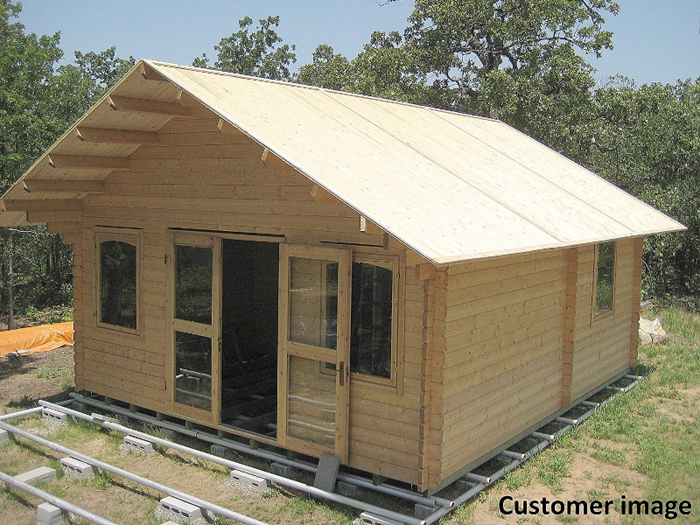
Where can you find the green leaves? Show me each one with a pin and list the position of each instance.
(259, 52)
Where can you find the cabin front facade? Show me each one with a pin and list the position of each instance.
(408, 289)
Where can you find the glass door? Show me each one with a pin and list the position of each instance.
(314, 310)
(194, 301)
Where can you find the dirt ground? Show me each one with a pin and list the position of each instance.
(42, 375)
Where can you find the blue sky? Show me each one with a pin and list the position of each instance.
(655, 40)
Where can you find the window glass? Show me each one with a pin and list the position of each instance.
(193, 284)
(313, 302)
(604, 283)
(118, 284)
(371, 320)
(193, 370)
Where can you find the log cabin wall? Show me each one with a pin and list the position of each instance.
(198, 178)
(606, 346)
(501, 368)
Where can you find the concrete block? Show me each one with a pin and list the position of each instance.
(80, 407)
(138, 445)
(281, 469)
(327, 472)
(464, 485)
(76, 469)
(347, 489)
(104, 417)
(169, 434)
(422, 511)
(248, 481)
(373, 519)
(179, 511)
(47, 514)
(223, 452)
(38, 474)
(54, 416)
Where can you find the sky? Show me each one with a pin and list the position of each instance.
(655, 40)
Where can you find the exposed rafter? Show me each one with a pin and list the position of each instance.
(227, 129)
(63, 186)
(273, 161)
(116, 136)
(321, 195)
(148, 73)
(88, 162)
(147, 107)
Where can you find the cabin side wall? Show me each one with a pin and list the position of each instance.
(198, 178)
(501, 369)
(605, 346)
(521, 343)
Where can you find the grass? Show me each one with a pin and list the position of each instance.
(650, 437)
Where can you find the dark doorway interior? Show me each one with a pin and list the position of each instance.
(249, 336)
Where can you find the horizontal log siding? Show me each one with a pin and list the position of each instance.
(501, 368)
(605, 346)
(200, 179)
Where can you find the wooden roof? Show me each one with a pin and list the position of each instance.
(452, 187)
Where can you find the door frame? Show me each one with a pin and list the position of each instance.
(340, 356)
(213, 331)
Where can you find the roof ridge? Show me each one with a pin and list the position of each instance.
(308, 86)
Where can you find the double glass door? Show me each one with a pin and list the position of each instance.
(313, 340)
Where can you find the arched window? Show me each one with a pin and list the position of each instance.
(118, 301)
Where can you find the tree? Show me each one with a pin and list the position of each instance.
(38, 102)
(516, 60)
(647, 143)
(259, 53)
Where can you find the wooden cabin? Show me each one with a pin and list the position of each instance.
(409, 289)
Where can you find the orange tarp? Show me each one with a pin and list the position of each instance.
(36, 338)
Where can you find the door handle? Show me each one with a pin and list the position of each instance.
(341, 371)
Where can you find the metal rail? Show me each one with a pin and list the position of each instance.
(384, 488)
(58, 502)
(133, 477)
(280, 480)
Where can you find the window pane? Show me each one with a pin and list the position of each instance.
(313, 302)
(193, 284)
(193, 370)
(604, 285)
(118, 283)
(311, 403)
(370, 323)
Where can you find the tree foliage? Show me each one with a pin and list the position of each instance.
(39, 100)
(258, 52)
(649, 144)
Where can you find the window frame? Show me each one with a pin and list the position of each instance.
(389, 261)
(594, 299)
(133, 236)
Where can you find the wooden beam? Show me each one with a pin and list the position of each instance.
(41, 204)
(273, 161)
(227, 129)
(148, 73)
(116, 136)
(321, 195)
(84, 162)
(63, 186)
(147, 107)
